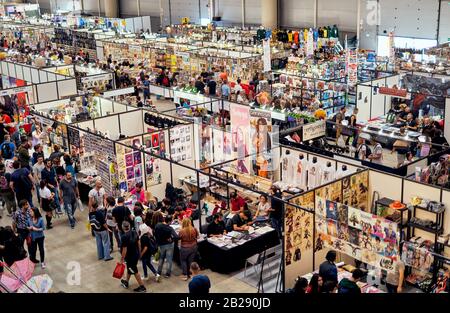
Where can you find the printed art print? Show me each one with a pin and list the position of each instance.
(356, 194)
(240, 121)
(299, 233)
(261, 143)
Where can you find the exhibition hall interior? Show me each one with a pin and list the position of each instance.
(225, 146)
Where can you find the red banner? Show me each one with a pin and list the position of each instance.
(402, 93)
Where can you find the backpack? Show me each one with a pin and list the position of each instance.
(165, 81)
(368, 151)
(152, 246)
(4, 185)
(95, 224)
(6, 151)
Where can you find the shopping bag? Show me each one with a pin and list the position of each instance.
(88, 226)
(119, 270)
(157, 255)
(80, 205)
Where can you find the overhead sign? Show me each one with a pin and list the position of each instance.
(400, 93)
(314, 130)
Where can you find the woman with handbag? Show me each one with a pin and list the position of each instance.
(47, 202)
(149, 247)
(36, 228)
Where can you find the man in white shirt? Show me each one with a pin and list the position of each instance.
(377, 153)
(238, 87)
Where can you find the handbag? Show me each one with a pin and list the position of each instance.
(119, 270)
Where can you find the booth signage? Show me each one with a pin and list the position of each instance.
(13, 91)
(314, 130)
(401, 93)
(118, 92)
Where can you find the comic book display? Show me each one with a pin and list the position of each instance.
(355, 190)
(299, 228)
(361, 235)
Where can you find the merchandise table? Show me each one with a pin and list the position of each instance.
(226, 259)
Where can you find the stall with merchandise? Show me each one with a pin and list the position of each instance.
(31, 35)
(363, 217)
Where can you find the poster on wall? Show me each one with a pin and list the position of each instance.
(299, 229)
(240, 120)
(181, 142)
(261, 143)
(356, 191)
(359, 234)
(352, 67)
(152, 144)
(332, 191)
(130, 164)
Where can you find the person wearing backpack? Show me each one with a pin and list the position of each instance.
(7, 148)
(148, 248)
(363, 151)
(97, 220)
(22, 183)
(377, 155)
(6, 192)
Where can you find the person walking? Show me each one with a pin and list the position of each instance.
(37, 170)
(7, 148)
(188, 246)
(97, 220)
(20, 222)
(22, 183)
(46, 202)
(6, 192)
(148, 249)
(23, 154)
(112, 225)
(48, 174)
(98, 195)
(200, 284)
(130, 254)
(36, 228)
(165, 237)
(69, 194)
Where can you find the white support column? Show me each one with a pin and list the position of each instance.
(111, 8)
(138, 5)
(358, 23)
(269, 13)
(316, 12)
(243, 13)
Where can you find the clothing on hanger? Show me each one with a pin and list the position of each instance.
(301, 169)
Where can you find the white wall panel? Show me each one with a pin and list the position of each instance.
(295, 13)
(409, 18)
(342, 13)
(444, 22)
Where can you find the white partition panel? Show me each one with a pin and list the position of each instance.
(43, 76)
(5, 68)
(106, 106)
(51, 77)
(47, 92)
(386, 185)
(27, 74)
(35, 76)
(119, 107)
(363, 102)
(19, 72)
(411, 189)
(446, 201)
(12, 70)
(131, 123)
(108, 124)
(85, 125)
(67, 87)
(378, 100)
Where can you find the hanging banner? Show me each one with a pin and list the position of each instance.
(266, 56)
(352, 67)
(310, 44)
(240, 120)
(399, 93)
(261, 142)
(391, 48)
(314, 130)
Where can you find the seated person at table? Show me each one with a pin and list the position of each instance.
(411, 123)
(240, 221)
(166, 207)
(403, 114)
(217, 227)
(263, 208)
(139, 193)
(237, 202)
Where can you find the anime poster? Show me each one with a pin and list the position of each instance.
(332, 228)
(299, 233)
(305, 201)
(219, 146)
(354, 218)
(321, 207)
(357, 193)
(417, 257)
(261, 143)
(342, 213)
(240, 121)
(331, 210)
(206, 146)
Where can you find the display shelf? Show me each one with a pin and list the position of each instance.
(427, 229)
(426, 210)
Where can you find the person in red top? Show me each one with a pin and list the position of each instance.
(237, 202)
(139, 192)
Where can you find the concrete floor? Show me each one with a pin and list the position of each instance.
(68, 250)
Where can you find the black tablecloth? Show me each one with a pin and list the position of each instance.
(228, 260)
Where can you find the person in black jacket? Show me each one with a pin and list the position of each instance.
(349, 285)
(165, 237)
(328, 270)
